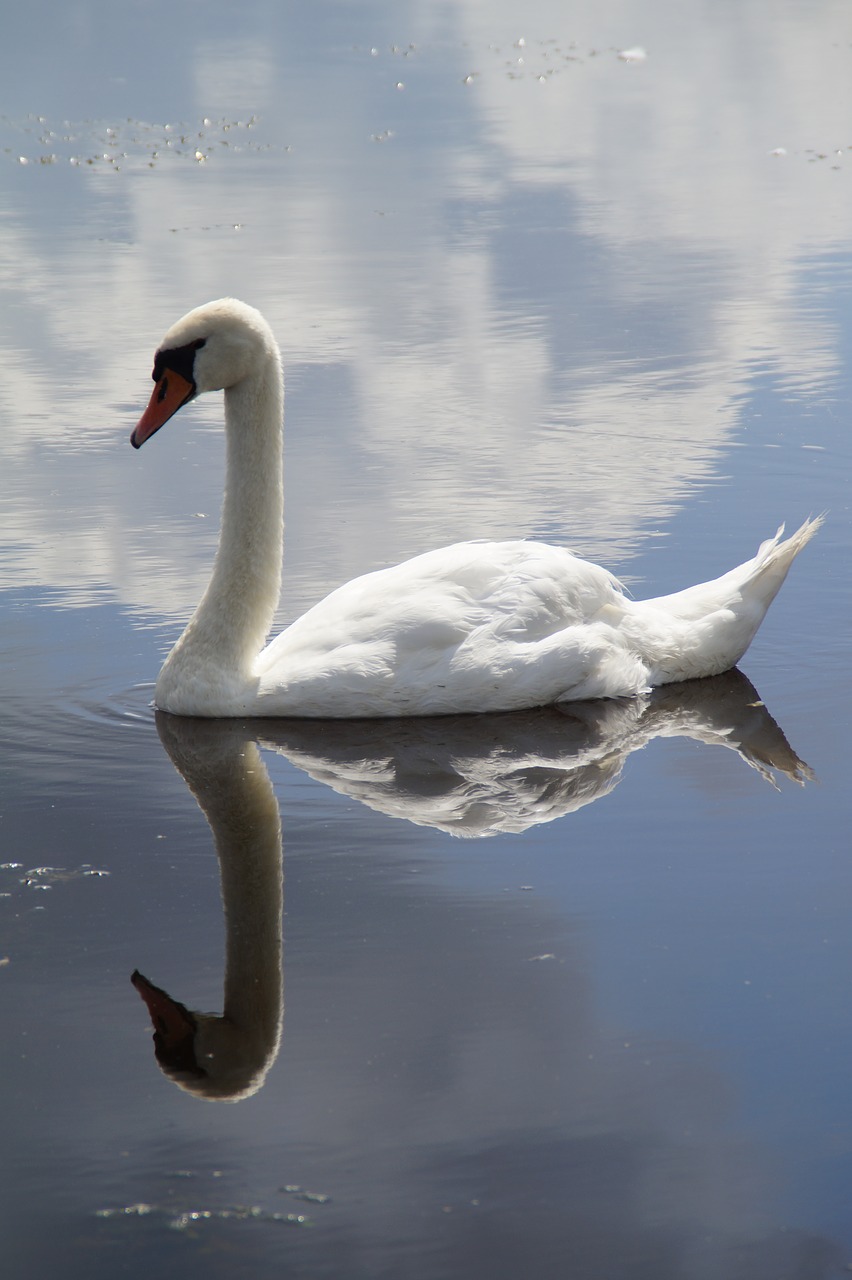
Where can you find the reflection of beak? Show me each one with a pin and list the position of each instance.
(172, 1021)
(171, 392)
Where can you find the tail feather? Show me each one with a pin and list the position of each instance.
(707, 628)
(774, 548)
(760, 577)
(767, 571)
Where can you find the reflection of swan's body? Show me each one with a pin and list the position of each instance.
(473, 627)
(227, 1056)
(483, 775)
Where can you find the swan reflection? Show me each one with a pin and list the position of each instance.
(483, 775)
(466, 775)
(226, 1057)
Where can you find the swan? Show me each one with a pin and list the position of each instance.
(474, 627)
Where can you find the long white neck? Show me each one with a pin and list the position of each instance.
(233, 618)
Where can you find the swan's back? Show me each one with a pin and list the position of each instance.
(478, 626)
(501, 626)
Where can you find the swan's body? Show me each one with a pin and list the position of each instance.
(478, 626)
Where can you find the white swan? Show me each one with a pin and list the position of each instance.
(478, 626)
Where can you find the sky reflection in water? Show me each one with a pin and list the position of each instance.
(523, 286)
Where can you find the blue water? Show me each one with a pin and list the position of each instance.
(563, 995)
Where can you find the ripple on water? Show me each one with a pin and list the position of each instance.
(132, 706)
(77, 736)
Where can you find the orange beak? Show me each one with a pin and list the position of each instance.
(170, 393)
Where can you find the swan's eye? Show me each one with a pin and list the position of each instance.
(179, 360)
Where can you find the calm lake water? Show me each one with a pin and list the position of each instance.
(550, 1005)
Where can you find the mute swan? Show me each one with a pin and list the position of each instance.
(478, 626)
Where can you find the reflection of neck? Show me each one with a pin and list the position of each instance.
(227, 776)
(243, 815)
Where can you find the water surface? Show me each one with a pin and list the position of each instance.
(563, 993)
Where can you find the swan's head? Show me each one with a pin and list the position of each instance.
(213, 347)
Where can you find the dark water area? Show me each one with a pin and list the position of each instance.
(555, 994)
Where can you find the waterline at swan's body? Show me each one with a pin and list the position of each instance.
(478, 626)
